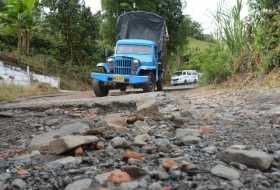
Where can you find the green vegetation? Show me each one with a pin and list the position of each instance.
(53, 37)
(248, 45)
(11, 92)
(64, 38)
(195, 44)
(18, 17)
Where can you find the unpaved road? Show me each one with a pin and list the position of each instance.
(78, 98)
(190, 139)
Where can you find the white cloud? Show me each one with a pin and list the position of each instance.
(200, 10)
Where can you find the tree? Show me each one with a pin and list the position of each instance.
(265, 30)
(1, 5)
(18, 16)
(75, 28)
(171, 10)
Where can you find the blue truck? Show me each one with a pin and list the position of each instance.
(139, 55)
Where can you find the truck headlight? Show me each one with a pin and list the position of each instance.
(135, 64)
(110, 61)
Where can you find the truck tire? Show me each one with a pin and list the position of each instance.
(123, 89)
(151, 85)
(99, 89)
(159, 85)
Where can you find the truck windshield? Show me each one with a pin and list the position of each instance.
(134, 49)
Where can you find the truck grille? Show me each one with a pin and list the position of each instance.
(123, 65)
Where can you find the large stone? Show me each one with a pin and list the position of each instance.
(26, 158)
(155, 186)
(181, 133)
(210, 149)
(5, 177)
(141, 127)
(168, 164)
(119, 142)
(102, 178)
(2, 186)
(67, 143)
(118, 177)
(115, 121)
(275, 110)
(225, 172)
(41, 142)
(163, 145)
(148, 107)
(82, 184)
(188, 136)
(19, 184)
(251, 158)
(129, 186)
(113, 125)
(141, 140)
(65, 162)
(188, 140)
(135, 172)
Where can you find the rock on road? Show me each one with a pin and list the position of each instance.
(187, 139)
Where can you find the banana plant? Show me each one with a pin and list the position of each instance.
(18, 17)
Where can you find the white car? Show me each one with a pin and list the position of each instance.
(184, 77)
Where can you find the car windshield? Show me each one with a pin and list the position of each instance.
(134, 49)
(178, 73)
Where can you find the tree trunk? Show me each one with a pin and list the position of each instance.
(23, 42)
(27, 42)
(20, 41)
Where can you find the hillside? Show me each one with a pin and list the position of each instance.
(198, 44)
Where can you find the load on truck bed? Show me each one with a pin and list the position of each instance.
(139, 54)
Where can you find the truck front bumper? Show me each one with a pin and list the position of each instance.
(128, 79)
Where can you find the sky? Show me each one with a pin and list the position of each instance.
(200, 11)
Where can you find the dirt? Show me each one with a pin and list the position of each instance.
(212, 120)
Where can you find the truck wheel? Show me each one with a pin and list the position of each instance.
(99, 89)
(151, 85)
(123, 89)
(159, 85)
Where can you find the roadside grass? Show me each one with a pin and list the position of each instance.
(72, 77)
(11, 92)
(249, 81)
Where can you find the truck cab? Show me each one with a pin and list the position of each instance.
(137, 60)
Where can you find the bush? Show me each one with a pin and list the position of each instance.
(215, 64)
